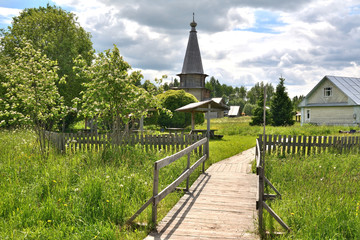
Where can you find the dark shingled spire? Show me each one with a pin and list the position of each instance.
(192, 60)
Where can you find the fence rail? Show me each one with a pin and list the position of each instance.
(306, 145)
(66, 142)
(157, 197)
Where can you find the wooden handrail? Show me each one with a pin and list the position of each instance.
(261, 204)
(157, 197)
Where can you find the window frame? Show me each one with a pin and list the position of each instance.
(308, 114)
(327, 91)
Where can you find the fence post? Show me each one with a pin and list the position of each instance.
(155, 193)
(187, 167)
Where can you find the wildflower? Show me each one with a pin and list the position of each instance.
(54, 181)
(65, 205)
(107, 200)
(121, 185)
(59, 200)
(320, 166)
(334, 167)
(49, 221)
(107, 176)
(292, 213)
(321, 179)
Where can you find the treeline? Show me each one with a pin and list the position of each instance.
(233, 96)
(246, 98)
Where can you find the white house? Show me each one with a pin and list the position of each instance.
(333, 101)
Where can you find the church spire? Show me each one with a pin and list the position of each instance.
(192, 60)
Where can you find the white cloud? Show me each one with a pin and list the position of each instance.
(300, 40)
(6, 14)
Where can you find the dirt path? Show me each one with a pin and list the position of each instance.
(221, 204)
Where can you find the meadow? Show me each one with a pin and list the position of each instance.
(90, 195)
(320, 195)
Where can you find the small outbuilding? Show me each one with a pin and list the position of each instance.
(234, 111)
(333, 101)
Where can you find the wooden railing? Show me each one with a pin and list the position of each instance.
(306, 145)
(66, 142)
(157, 197)
(262, 196)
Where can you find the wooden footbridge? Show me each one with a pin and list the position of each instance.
(221, 204)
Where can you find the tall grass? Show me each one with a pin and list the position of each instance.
(85, 195)
(91, 195)
(320, 195)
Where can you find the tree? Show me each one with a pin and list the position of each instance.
(254, 93)
(296, 101)
(281, 106)
(57, 34)
(258, 113)
(110, 93)
(174, 99)
(248, 109)
(30, 93)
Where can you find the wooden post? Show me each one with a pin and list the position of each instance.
(155, 193)
(192, 120)
(208, 130)
(187, 167)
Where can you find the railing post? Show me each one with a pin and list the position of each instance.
(155, 193)
(187, 167)
(206, 151)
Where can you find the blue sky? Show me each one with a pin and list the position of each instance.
(241, 42)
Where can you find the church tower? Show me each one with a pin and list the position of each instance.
(192, 77)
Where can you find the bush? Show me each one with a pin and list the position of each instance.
(172, 100)
(248, 108)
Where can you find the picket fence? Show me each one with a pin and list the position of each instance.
(72, 142)
(306, 145)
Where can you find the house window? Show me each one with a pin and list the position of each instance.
(308, 114)
(327, 92)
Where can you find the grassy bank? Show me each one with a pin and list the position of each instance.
(320, 195)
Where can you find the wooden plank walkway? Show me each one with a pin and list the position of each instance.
(221, 204)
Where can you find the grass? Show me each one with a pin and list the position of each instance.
(320, 195)
(91, 195)
(240, 126)
(85, 195)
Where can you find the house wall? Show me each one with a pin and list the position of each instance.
(318, 96)
(331, 115)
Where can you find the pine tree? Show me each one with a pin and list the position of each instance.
(281, 108)
(258, 112)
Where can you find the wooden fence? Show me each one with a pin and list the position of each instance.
(262, 196)
(157, 197)
(66, 142)
(306, 145)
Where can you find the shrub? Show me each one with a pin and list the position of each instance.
(172, 100)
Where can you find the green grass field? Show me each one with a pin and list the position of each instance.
(320, 195)
(91, 195)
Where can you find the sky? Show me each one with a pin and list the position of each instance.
(242, 42)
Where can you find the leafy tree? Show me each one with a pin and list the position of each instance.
(176, 83)
(281, 107)
(248, 109)
(258, 113)
(110, 93)
(254, 93)
(30, 96)
(174, 99)
(58, 35)
(296, 101)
